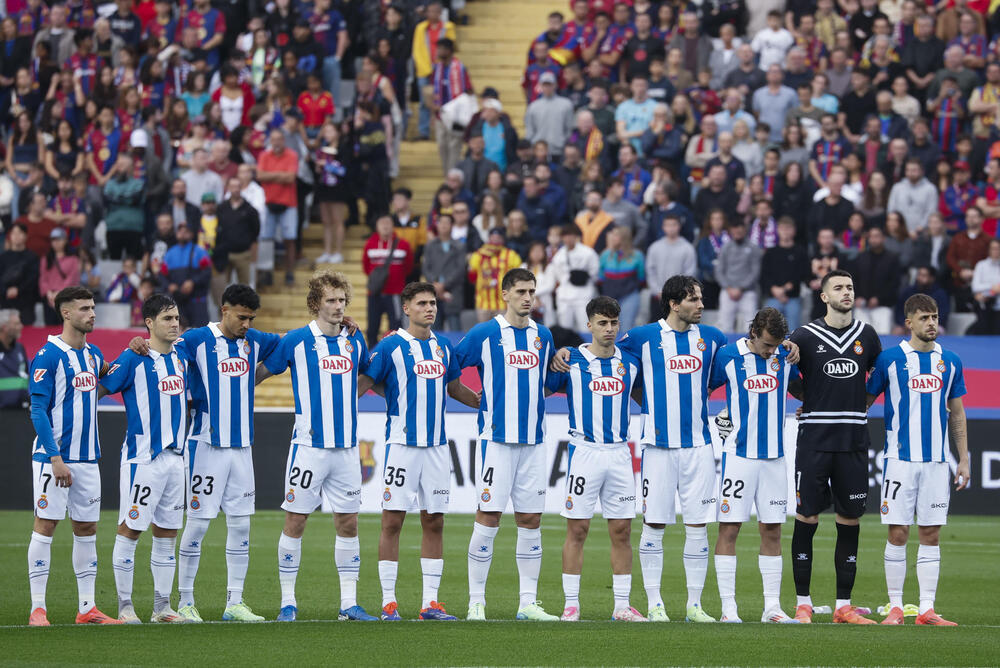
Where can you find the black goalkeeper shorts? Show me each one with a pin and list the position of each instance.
(822, 478)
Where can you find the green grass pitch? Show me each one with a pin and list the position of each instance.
(967, 594)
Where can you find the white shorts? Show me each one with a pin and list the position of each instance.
(82, 499)
(152, 493)
(416, 478)
(313, 473)
(923, 488)
(219, 478)
(748, 481)
(514, 472)
(599, 472)
(686, 472)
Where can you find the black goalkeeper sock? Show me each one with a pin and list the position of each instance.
(802, 555)
(845, 558)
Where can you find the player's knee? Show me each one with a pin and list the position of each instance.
(620, 531)
(159, 532)
(577, 530)
(295, 524)
(432, 522)
(528, 520)
(808, 519)
(45, 527)
(84, 528)
(346, 524)
(488, 518)
(238, 522)
(899, 534)
(929, 535)
(125, 530)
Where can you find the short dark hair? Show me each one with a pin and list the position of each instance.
(71, 294)
(238, 294)
(603, 305)
(677, 288)
(156, 304)
(515, 275)
(571, 229)
(919, 302)
(413, 289)
(836, 273)
(769, 320)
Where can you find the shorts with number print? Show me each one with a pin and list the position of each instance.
(686, 472)
(416, 478)
(514, 472)
(747, 481)
(313, 473)
(82, 499)
(921, 488)
(599, 471)
(219, 479)
(152, 492)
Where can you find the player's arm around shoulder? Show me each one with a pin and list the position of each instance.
(119, 376)
(277, 361)
(878, 379)
(456, 388)
(469, 351)
(377, 367)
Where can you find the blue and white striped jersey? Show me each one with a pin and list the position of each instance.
(153, 388)
(415, 373)
(756, 389)
(675, 370)
(325, 384)
(917, 388)
(513, 364)
(597, 391)
(222, 382)
(63, 388)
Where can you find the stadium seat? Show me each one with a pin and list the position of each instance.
(114, 316)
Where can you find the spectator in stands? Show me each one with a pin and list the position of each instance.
(624, 212)
(717, 194)
(449, 80)
(186, 274)
(876, 282)
(38, 225)
(125, 196)
(633, 176)
(476, 165)
(622, 274)
(499, 135)
(738, 272)
(830, 212)
(455, 180)
(746, 77)
(518, 237)
(984, 105)
(735, 171)
(13, 362)
(783, 270)
(914, 197)
(923, 146)
(235, 242)
(966, 249)
(773, 42)
(488, 265)
(957, 197)
(444, 265)
(387, 261)
(922, 56)
(277, 169)
(986, 289)
(829, 150)
(695, 47)
(671, 254)
(661, 141)
(925, 282)
(462, 230)
(426, 35)
(58, 269)
(930, 248)
(24, 149)
(772, 102)
(576, 268)
(826, 257)
(663, 206)
(964, 78)
(732, 111)
(640, 49)
(595, 224)
(19, 275)
(549, 118)
(200, 179)
(408, 225)
(539, 213)
(633, 116)
(724, 60)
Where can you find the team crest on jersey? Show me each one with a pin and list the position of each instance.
(195, 503)
(39, 374)
(538, 343)
(885, 508)
(290, 497)
(43, 503)
(621, 369)
(134, 513)
(724, 508)
(858, 348)
(701, 345)
(569, 503)
(348, 347)
(941, 366)
(246, 347)
(485, 496)
(386, 495)
(367, 460)
(439, 352)
(90, 361)
(775, 364)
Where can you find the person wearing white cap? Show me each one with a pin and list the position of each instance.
(148, 164)
(550, 117)
(499, 136)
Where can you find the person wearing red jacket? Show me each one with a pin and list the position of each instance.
(377, 253)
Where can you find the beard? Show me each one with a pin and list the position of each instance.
(840, 308)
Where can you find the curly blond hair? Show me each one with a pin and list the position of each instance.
(322, 280)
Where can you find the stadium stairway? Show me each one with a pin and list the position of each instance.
(493, 47)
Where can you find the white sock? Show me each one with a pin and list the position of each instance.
(571, 590)
(39, 558)
(347, 555)
(841, 602)
(480, 558)
(528, 554)
(621, 587)
(651, 563)
(725, 576)
(928, 569)
(237, 556)
(189, 554)
(123, 564)
(387, 576)
(803, 600)
(770, 575)
(695, 562)
(289, 557)
(895, 573)
(85, 566)
(162, 563)
(431, 570)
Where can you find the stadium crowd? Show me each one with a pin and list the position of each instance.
(168, 146)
